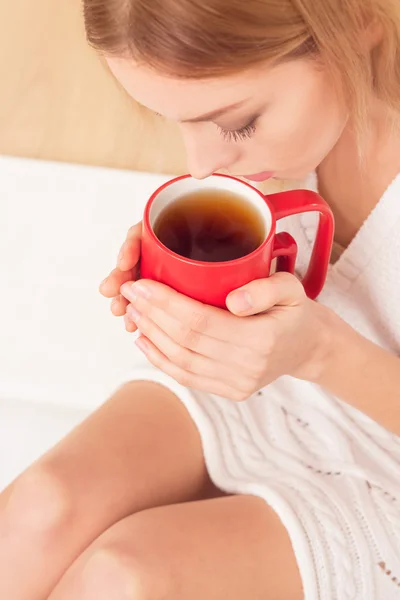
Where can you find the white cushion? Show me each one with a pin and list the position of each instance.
(61, 351)
(27, 430)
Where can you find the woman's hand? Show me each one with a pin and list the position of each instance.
(271, 329)
(126, 270)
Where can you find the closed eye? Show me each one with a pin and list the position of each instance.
(235, 135)
(239, 135)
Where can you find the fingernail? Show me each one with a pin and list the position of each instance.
(104, 282)
(128, 292)
(129, 325)
(141, 289)
(133, 314)
(240, 301)
(133, 290)
(121, 254)
(142, 345)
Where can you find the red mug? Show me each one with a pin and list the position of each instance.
(211, 282)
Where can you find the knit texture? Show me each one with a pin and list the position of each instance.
(330, 472)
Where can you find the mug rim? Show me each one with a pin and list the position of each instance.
(190, 261)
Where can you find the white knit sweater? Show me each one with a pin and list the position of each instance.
(331, 474)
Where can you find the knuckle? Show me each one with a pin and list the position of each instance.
(40, 502)
(245, 356)
(160, 306)
(199, 322)
(133, 232)
(157, 362)
(251, 388)
(240, 395)
(256, 370)
(181, 358)
(291, 281)
(283, 276)
(118, 306)
(146, 326)
(247, 387)
(262, 350)
(266, 343)
(186, 337)
(183, 379)
(190, 339)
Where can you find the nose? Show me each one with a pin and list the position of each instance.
(206, 154)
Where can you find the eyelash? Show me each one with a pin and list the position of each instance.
(239, 135)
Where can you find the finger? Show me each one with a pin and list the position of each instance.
(119, 306)
(194, 316)
(186, 379)
(224, 352)
(281, 289)
(129, 254)
(129, 325)
(186, 359)
(110, 287)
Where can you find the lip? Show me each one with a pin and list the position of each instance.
(259, 176)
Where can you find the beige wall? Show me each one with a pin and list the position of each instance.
(58, 102)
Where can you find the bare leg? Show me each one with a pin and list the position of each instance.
(229, 548)
(139, 450)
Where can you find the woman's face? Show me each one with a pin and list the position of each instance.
(281, 121)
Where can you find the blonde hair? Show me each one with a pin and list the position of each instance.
(208, 38)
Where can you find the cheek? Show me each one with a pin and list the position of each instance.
(303, 129)
(312, 133)
(324, 119)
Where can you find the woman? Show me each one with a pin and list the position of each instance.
(300, 496)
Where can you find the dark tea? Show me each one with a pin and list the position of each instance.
(210, 225)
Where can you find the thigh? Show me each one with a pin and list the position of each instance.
(227, 548)
(139, 450)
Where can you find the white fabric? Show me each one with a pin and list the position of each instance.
(28, 429)
(62, 353)
(331, 473)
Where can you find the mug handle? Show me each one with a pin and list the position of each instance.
(296, 202)
(285, 250)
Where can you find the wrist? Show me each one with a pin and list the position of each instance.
(329, 333)
(339, 340)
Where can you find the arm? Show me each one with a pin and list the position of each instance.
(362, 374)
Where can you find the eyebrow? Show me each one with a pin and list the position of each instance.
(215, 113)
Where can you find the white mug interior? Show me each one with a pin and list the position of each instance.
(177, 189)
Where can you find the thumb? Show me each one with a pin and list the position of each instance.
(281, 289)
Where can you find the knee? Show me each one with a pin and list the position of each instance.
(110, 574)
(39, 503)
(132, 570)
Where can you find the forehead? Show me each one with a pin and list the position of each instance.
(181, 99)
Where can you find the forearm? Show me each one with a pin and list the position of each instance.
(362, 374)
